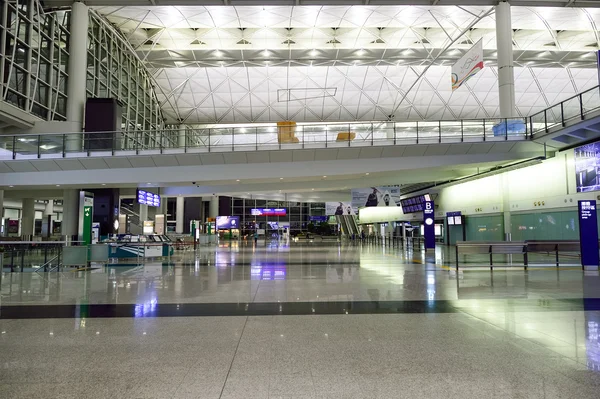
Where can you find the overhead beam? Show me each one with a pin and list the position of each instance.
(524, 3)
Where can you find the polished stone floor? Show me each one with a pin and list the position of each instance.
(300, 321)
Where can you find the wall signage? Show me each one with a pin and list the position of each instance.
(429, 224)
(588, 233)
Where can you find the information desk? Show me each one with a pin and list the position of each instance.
(142, 247)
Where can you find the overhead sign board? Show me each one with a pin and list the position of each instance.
(268, 212)
(148, 198)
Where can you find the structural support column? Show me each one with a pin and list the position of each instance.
(506, 76)
(70, 219)
(77, 69)
(504, 189)
(213, 207)
(2, 226)
(181, 138)
(47, 219)
(27, 218)
(179, 209)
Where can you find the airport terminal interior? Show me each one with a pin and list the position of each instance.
(341, 199)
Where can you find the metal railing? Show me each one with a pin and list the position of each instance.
(251, 138)
(575, 108)
(309, 135)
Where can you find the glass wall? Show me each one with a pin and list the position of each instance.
(114, 71)
(297, 215)
(485, 228)
(33, 58)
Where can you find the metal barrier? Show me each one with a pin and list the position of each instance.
(491, 248)
(515, 248)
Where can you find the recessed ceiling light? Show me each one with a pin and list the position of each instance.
(314, 53)
(367, 173)
(148, 183)
(218, 53)
(58, 185)
(104, 184)
(238, 180)
(10, 186)
(324, 177)
(313, 189)
(266, 53)
(281, 178)
(360, 52)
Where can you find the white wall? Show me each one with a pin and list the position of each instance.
(549, 185)
(380, 214)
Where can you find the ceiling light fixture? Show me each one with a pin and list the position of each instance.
(314, 53)
(266, 53)
(360, 52)
(218, 53)
(324, 177)
(281, 178)
(238, 180)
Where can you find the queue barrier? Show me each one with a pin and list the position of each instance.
(515, 248)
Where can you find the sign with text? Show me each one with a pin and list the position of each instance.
(375, 196)
(339, 208)
(228, 222)
(268, 212)
(588, 233)
(148, 198)
(429, 224)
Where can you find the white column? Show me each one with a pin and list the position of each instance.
(49, 211)
(143, 214)
(504, 189)
(3, 227)
(70, 218)
(506, 76)
(27, 217)
(77, 69)
(179, 209)
(213, 207)
(181, 137)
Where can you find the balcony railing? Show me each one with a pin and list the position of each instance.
(302, 136)
(322, 135)
(575, 108)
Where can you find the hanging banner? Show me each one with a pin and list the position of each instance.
(375, 196)
(588, 233)
(429, 225)
(468, 65)
(339, 208)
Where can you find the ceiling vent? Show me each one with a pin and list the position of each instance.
(334, 41)
(289, 42)
(378, 41)
(244, 41)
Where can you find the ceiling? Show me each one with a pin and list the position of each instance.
(530, 3)
(243, 64)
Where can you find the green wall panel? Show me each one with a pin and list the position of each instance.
(558, 225)
(485, 228)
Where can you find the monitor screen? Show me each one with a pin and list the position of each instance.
(148, 198)
(268, 212)
(451, 220)
(228, 222)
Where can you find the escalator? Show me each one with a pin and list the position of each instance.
(341, 220)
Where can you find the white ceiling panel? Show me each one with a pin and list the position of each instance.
(244, 64)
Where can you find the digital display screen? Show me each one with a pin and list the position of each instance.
(451, 220)
(414, 204)
(457, 219)
(268, 212)
(228, 222)
(147, 198)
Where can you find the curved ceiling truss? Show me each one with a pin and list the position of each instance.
(327, 63)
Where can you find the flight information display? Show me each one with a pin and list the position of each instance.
(268, 212)
(147, 198)
(414, 204)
